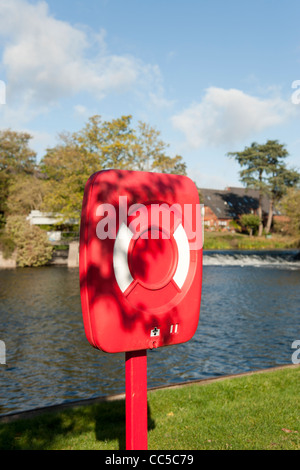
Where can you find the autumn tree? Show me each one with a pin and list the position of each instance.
(3, 197)
(149, 152)
(264, 169)
(25, 193)
(20, 185)
(15, 154)
(290, 206)
(101, 145)
(106, 144)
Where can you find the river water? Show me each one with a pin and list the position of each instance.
(249, 318)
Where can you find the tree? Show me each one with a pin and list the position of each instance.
(15, 154)
(106, 144)
(3, 197)
(147, 147)
(250, 222)
(100, 146)
(25, 193)
(264, 169)
(33, 248)
(149, 152)
(253, 175)
(280, 180)
(17, 164)
(290, 206)
(66, 170)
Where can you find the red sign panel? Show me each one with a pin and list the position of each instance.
(140, 260)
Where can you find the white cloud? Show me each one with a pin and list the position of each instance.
(46, 59)
(80, 110)
(226, 117)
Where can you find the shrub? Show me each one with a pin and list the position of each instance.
(33, 247)
(250, 222)
(235, 226)
(7, 246)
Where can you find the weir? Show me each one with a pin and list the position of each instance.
(279, 259)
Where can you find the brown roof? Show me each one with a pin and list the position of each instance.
(233, 202)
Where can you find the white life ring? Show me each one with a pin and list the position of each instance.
(120, 257)
(175, 269)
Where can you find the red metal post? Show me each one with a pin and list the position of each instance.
(136, 400)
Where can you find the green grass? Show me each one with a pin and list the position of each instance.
(259, 411)
(237, 241)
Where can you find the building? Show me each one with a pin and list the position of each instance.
(39, 218)
(222, 207)
(68, 257)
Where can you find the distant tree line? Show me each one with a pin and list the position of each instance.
(56, 183)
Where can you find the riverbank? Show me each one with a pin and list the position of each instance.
(238, 241)
(249, 411)
(68, 255)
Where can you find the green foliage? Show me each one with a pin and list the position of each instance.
(17, 169)
(239, 241)
(33, 248)
(250, 222)
(235, 225)
(290, 206)
(25, 193)
(7, 245)
(4, 183)
(262, 166)
(15, 154)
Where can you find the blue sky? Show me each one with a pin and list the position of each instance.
(212, 76)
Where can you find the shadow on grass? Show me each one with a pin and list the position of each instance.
(94, 426)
